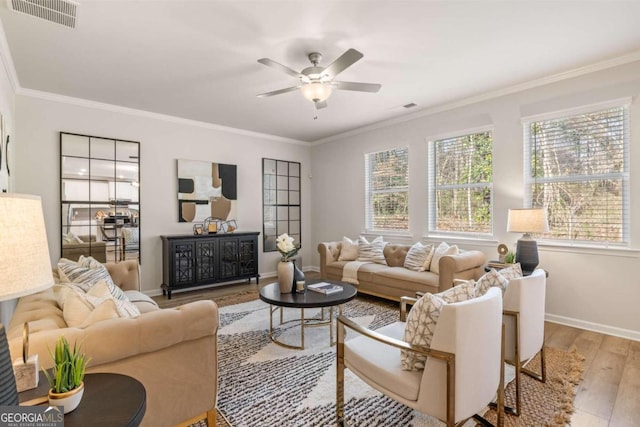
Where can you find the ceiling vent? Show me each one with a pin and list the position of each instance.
(61, 12)
(410, 105)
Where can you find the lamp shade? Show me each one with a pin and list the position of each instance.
(25, 265)
(532, 220)
(316, 91)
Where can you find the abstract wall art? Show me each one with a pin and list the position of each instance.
(206, 190)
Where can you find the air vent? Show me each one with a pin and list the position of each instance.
(61, 12)
(410, 105)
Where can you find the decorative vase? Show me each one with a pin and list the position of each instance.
(298, 277)
(69, 399)
(285, 276)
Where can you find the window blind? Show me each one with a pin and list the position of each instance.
(577, 168)
(461, 183)
(387, 189)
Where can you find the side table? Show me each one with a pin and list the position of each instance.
(108, 400)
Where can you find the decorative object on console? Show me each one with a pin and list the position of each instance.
(25, 269)
(502, 252)
(67, 375)
(206, 190)
(528, 220)
(197, 229)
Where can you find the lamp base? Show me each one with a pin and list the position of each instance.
(527, 255)
(27, 374)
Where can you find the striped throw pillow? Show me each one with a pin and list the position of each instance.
(417, 256)
(372, 252)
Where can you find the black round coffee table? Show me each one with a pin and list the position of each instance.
(309, 299)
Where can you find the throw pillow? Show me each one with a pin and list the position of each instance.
(417, 256)
(349, 251)
(462, 292)
(512, 272)
(490, 279)
(84, 273)
(76, 305)
(442, 250)
(104, 311)
(421, 324)
(372, 252)
(427, 261)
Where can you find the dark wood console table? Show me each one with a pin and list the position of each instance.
(108, 400)
(197, 260)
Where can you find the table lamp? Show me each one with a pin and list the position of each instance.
(531, 220)
(25, 268)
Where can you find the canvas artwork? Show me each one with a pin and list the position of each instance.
(206, 190)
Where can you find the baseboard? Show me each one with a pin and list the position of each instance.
(594, 327)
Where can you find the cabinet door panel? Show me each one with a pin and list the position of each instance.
(183, 265)
(228, 258)
(248, 257)
(206, 264)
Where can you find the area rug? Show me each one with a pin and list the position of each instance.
(263, 384)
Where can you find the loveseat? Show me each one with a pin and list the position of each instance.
(86, 246)
(172, 352)
(392, 281)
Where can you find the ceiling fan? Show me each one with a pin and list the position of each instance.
(316, 82)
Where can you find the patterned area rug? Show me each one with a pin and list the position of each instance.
(263, 384)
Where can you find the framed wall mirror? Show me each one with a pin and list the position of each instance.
(280, 201)
(99, 197)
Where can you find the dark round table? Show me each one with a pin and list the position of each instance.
(309, 299)
(108, 400)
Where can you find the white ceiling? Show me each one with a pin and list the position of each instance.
(198, 59)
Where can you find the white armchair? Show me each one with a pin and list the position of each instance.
(524, 307)
(463, 371)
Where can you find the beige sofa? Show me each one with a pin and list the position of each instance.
(393, 281)
(172, 352)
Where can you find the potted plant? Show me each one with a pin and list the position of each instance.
(67, 375)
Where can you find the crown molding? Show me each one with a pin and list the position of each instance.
(576, 72)
(151, 115)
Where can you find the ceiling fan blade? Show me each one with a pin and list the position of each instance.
(320, 105)
(360, 87)
(278, 92)
(278, 66)
(339, 65)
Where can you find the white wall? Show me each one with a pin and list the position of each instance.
(595, 289)
(7, 109)
(39, 122)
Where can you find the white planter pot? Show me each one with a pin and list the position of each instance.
(285, 276)
(69, 400)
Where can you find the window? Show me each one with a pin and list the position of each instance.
(460, 184)
(576, 167)
(387, 189)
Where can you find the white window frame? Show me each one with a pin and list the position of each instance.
(369, 193)
(431, 187)
(529, 181)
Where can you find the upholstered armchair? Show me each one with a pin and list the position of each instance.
(463, 370)
(524, 307)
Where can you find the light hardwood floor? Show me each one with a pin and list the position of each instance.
(608, 396)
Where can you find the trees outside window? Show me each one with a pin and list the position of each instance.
(387, 189)
(460, 184)
(576, 167)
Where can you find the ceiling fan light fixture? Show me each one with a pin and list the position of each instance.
(316, 91)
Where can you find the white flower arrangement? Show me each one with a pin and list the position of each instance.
(285, 246)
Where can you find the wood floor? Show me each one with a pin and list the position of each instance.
(609, 395)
